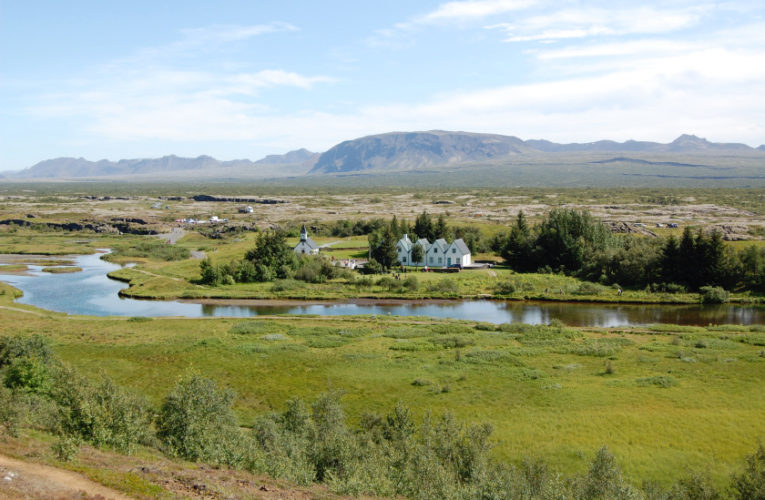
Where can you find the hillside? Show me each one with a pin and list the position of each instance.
(442, 158)
(418, 150)
(410, 150)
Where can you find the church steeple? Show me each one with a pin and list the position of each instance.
(303, 233)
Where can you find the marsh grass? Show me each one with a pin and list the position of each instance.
(506, 378)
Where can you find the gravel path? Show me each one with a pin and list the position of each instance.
(20, 479)
(173, 236)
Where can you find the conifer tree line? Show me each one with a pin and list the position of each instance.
(575, 243)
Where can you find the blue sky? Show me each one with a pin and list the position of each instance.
(105, 79)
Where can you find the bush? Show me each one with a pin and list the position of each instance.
(750, 483)
(286, 285)
(587, 288)
(664, 381)
(153, 250)
(504, 288)
(714, 295)
(196, 422)
(373, 267)
(102, 415)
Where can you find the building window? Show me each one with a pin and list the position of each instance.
(439, 260)
(454, 250)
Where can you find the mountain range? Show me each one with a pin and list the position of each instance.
(438, 152)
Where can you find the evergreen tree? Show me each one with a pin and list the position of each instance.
(671, 262)
(423, 227)
(517, 251)
(384, 249)
(687, 260)
(440, 230)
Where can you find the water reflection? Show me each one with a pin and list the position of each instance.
(90, 292)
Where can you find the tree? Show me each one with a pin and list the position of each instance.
(517, 250)
(423, 227)
(418, 254)
(440, 230)
(211, 275)
(384, 249)
(196, 421)
(670, 262)
(271, 256)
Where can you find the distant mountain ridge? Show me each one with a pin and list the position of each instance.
(293, 157)
(414, 150)
(401, 151)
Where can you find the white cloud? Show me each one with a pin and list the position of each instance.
(458, 11)
(586, 22)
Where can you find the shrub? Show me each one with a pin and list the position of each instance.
(256, 327)
(694, 487)
(286, 285)
(12, 348)
(102, 415)
(153, 250)
(196, 422)
(446, 286)
(373, 267)
(587, 288)
(714, 295)
(411, 283)
(452, 342)
(750, 483)
(504, 288)
(664, 381)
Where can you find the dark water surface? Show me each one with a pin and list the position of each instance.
(90, 292)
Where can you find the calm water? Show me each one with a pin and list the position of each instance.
(91, 292)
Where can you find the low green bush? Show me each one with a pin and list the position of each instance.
(665, 381)
(714, 295)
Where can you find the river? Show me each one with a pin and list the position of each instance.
(91, 292)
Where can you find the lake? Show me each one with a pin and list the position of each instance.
(91, 292)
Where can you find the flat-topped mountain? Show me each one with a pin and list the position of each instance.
(415, 150)
(410, 150)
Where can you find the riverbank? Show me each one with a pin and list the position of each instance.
(469, 285)
(654, 395)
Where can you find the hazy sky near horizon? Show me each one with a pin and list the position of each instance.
(243, 79)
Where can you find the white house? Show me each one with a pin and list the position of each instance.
(306, 244)
(436, 254)
(458, 254)
(404, 251)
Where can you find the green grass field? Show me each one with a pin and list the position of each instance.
(665, 400)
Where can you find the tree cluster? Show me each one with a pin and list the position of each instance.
(270, 259)
(576, 244)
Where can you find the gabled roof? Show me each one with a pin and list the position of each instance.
(405, 242)
(423, 242)
(309, 243)
(461, 246)
(441, 244)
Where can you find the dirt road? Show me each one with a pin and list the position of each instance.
(29, 480)
(173, 236)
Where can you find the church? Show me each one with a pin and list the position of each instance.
(306, 244)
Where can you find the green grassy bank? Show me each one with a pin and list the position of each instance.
(665, 399)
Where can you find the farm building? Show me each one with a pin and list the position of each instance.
(306, 244)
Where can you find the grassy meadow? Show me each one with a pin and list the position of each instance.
(665, 399)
